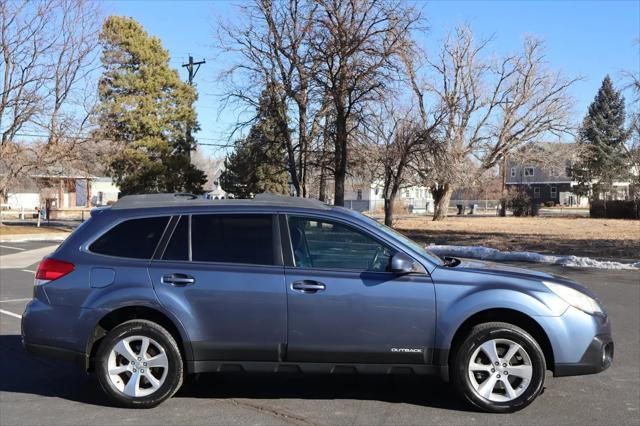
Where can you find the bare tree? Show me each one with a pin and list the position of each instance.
(273, 48)
(632, 146)
(492, 107)
(47, 51)
(358, 44)
(397, 138)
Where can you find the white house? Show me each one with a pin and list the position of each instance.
(103, 191)
(364, 196)
(61, 191)
(214, 190)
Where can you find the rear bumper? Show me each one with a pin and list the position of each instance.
(66, 355)
(596, 358)
(58, 332)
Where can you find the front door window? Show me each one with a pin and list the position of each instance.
(323, 244)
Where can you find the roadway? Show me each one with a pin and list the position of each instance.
(40, 391)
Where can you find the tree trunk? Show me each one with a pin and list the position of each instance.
(340, 171)
(339, 187)
(503, 200)
(322, 190)
(291, 157)
(390, 192)
(441, 198)
(388, 211)
(302, 143)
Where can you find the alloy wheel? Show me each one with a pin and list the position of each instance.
(500, 370)
(137, 366)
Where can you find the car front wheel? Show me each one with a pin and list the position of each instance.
(138, 364)
(499, 367)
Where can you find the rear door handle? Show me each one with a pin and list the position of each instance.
(308, 286)
(178, 279)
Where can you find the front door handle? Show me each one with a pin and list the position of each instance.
(178, 279)
(308, 286)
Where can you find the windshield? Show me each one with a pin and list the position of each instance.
(403, 239)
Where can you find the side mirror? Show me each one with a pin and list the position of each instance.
(403, 264)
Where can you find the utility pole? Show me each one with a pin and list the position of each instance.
(192, 68)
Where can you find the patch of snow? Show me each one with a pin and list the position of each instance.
(486, 253)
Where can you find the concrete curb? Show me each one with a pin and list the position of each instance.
(25, 238)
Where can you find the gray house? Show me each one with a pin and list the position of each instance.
(543, 172)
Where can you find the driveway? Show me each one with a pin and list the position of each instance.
(38, 391)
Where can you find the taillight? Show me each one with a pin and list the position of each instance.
(52, 269)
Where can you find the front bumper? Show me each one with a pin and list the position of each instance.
(596, 358)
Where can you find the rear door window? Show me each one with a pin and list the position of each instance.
(135, 238)
(238, 238)
(178, 247)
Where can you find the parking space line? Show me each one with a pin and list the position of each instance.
(26, 270)
(11, 314)
(15, 300)
(13, 248)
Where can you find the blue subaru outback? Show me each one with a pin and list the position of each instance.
(160, 286)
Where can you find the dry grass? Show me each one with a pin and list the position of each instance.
(17, 229)
(578, 236)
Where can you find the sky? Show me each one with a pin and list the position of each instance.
(582, 38)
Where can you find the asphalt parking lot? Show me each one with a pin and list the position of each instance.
(39, 391)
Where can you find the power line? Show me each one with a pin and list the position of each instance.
(97, 139)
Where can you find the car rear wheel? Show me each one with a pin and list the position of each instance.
(499, 367)
(139, 365)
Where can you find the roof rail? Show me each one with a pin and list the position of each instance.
(152, 200)
(187, 199)
(288, 199)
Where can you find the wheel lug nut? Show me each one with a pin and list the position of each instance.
(498, 376)
(139, 358)
(142, 371)
(497, 363)
(504, 365)
(134, 370)
(506, 372)
(493, 370)
(144, 363)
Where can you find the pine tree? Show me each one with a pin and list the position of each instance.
(257, 163)
(145, 108)
(602, 137)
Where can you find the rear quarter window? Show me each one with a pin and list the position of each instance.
(134, 238)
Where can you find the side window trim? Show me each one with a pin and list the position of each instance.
(189, 238)
(276, 237)
(291, 263)
(278, 257)
(285, 238)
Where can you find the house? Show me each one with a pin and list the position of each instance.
(65, 193)
(545, 184)
(543, 171)
(368, 196)
(103, 191)
(213, 189)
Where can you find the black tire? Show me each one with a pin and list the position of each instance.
(497, 330)
(175, 370)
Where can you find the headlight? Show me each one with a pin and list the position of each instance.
(574, 297)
